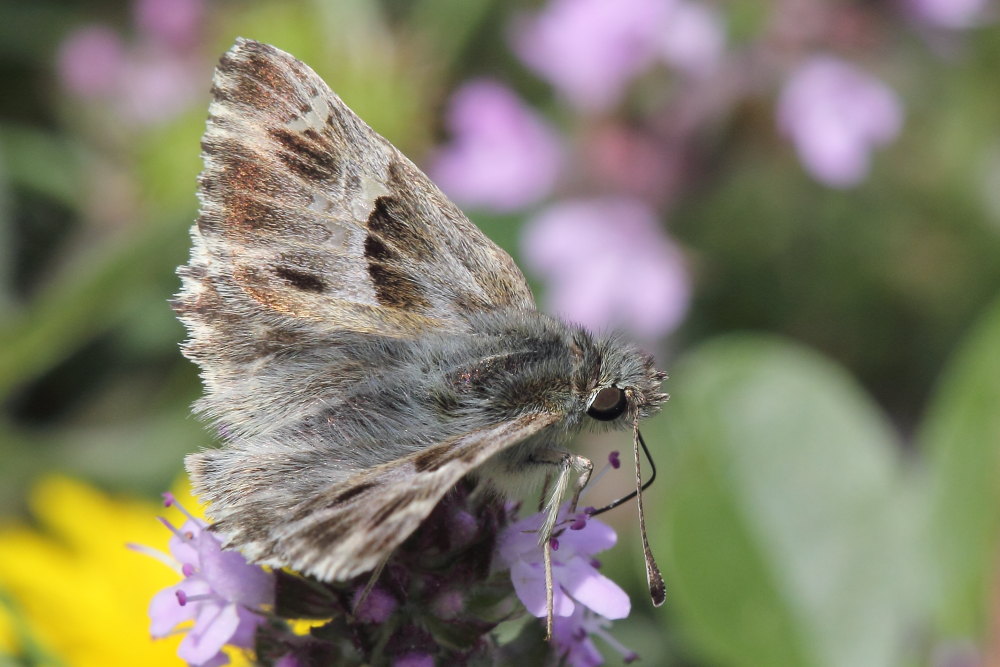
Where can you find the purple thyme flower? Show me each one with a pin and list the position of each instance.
(835, 114)
(414, 660)
(220, 593)
(577, 581)
(573, 637)
(590, 49)
(378, 606)
(608, 263)
(149, 81)
(175, 23)
(950, 14)
(90, 61)
(502, 155)
(156, 85)
(693, 39)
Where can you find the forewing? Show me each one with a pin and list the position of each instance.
(350, 527)
(312, 226)
(310, 213)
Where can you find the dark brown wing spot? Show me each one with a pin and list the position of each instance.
(494, 270)
(376, 251)
(430, 460)
(389, 509)
(396, 222)
(396, 289)
(307, 155)
(306, 282)
(349, 493)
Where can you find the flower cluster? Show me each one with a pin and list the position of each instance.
(503, 156)
(584, 600)
(590, 50)
(835, 114)
(612, 237)
(223, 595)
(594, 54)
(147, 81)
(436, 601)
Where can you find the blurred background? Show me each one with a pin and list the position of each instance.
(795, 203)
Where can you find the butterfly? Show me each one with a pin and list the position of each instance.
(364, 346)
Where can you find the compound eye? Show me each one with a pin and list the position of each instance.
(609, 404)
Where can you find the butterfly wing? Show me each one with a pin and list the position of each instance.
(322, 260)
(348, 528)
(314, 229)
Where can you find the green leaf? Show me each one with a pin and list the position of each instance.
(782, 543)
(41, 161)
(92, 297)
(351, 46)
(961, 440)
(446, 27)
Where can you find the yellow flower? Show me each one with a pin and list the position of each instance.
(74, 592)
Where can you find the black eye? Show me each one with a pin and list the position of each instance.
(609, 404)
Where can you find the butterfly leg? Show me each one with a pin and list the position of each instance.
(571, 469)
(568, 465)
(372, 579)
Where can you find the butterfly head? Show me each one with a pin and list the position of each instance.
(624, 385)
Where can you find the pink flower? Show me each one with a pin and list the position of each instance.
(377, 607)
(502, 156)
(584, 600)
(573, 637)
(90, 61)
(836, 114)
(414, 660)
(149, 81)
(175, 23)
(608, 264)
(577, 581)
(590, 49)
(157, 86)
(221, 593)
(693, 39)
(951, 14)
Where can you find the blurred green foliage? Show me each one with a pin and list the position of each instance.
(826, 499)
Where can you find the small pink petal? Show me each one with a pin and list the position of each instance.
(503, 156)
(165, 613)
(694, 39)
(949, 14)
(836, 115)
(377, 607)
(529, 585)
(91, 60)
(232, 577)
(414, 660)
(593, 590)
(608, 263)
(214, 626)
(596, 537)
(246, 632)
(590, 49)
(174, 22)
